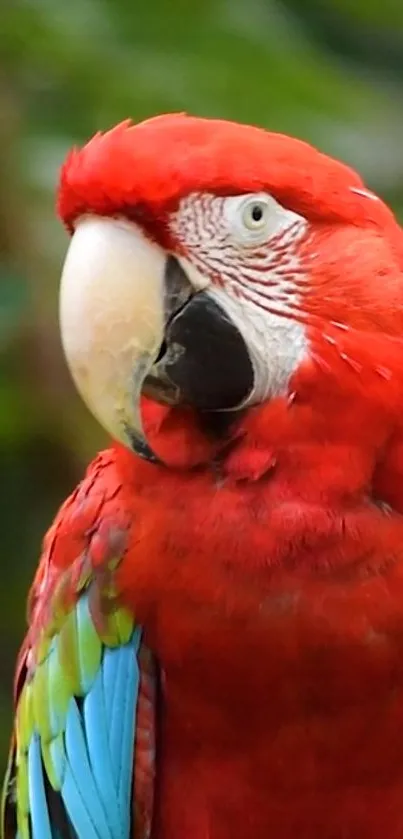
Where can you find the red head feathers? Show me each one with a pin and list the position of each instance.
(143, 170)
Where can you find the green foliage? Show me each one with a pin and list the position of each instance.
(321, 69)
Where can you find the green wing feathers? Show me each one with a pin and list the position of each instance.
(82, 706)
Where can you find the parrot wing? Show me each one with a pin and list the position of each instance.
(82, 755)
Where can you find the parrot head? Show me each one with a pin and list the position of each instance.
(211, 262)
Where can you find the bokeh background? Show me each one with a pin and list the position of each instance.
(329, 71)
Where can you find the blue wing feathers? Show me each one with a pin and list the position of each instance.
(128, 735)
(93, 755)
(115, 717)
(78, 813)
(81, 783)
(96, 728)
(40, 821)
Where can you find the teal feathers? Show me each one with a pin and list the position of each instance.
(75, 727)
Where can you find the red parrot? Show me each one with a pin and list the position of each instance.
(215, 640)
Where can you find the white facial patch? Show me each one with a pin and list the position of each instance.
(247, 249)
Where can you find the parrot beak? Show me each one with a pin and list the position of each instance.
(112, 321)
(135, 320)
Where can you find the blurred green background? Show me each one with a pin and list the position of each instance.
(329, 71)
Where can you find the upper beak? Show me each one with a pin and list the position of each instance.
(112, 321)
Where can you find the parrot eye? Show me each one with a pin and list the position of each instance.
(253, 219)
(255, 214)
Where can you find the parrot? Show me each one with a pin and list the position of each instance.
(215, 628)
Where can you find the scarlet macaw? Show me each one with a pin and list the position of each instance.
(215, 641)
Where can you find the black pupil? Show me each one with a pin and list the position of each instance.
(257, 212)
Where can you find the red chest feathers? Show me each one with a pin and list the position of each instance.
(300, 601)
(277, 621)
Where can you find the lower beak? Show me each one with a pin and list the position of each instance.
(112, 321)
